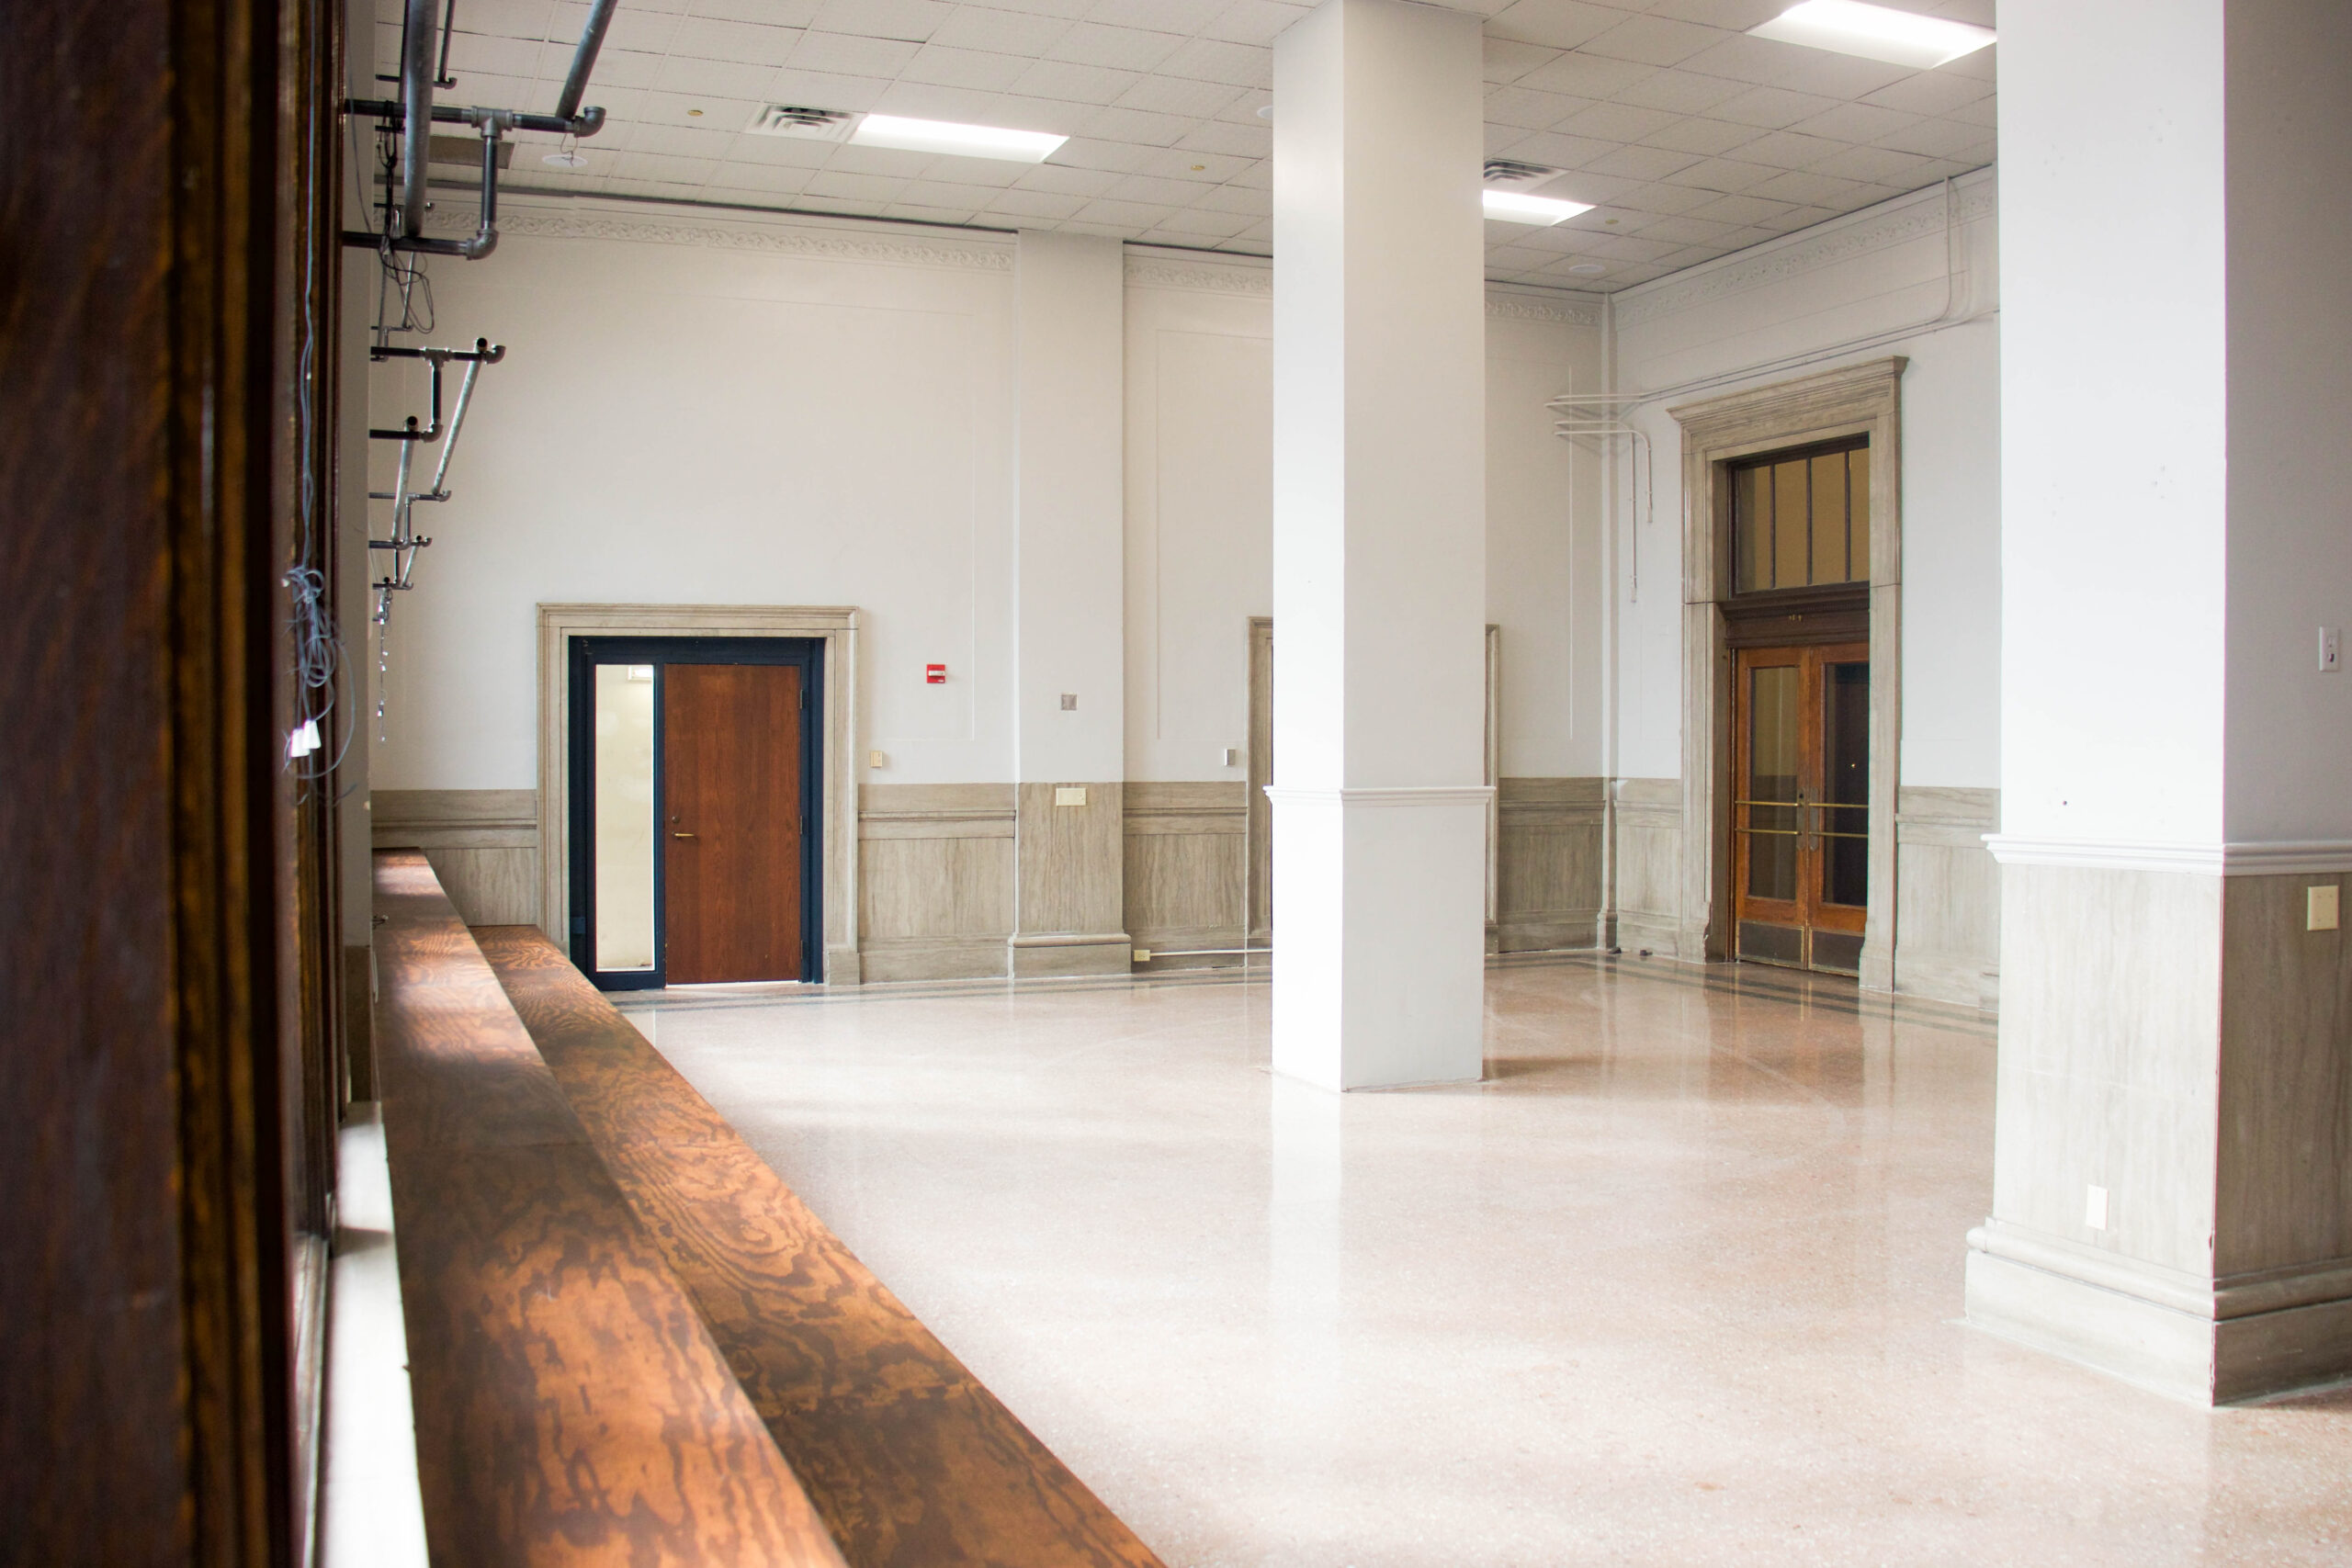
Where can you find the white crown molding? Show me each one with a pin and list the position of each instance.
(1419, 795)
(749, 234)
(2295, 857)
(1826, 244)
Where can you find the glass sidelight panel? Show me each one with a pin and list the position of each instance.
(1775, 749)
(1845, 782)
(624, 795)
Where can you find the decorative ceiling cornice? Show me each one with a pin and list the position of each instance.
(1531, 308)
(1208, 277)
(1831, 244)
(774, 239)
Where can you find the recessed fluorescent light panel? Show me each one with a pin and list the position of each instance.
(1511, 207)
(964, 141)
(1876, 32)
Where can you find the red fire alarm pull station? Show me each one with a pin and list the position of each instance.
(935, 674)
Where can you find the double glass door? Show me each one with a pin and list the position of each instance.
(1801, 805)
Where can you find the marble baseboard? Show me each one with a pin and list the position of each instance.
(1553, 932)
(1058, 954)
(1188, 947)
(2171, 1349)
(932, 958)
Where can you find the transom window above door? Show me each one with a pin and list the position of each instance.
(1801, 518)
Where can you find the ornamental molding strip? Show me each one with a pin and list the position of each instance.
(1911, 217)
(821, 244)
(1534, 308)
(2300, 857)
(1205, 277)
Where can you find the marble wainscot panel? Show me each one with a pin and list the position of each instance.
(1548, 864)
(936, 874)
(1947, 895)
(1185, 870)
(1649, 867)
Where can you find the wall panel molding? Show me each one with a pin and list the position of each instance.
(937, 880)
(1548, 862)
(1948, 888)
(1186, 862)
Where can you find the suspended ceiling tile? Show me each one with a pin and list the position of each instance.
(856, 187)
(1210, 60)
(1042, 203)
(1586, 75)
(1508, 59)
(1192, 100)
(690, 80)
(1710, 138)
(1555, 24)
(976, 68)
(1615, 122)
(909, 21)
(1077, 84)
(1000, 31)
(1878, 165)
(1227, 140)
(1929, 91)
(744, 43)
(1680, 92)
(1529, 110)
(1139, 127)
(1253, 21)
(828, 89)
(1855, 122)
(850, 55)
(1653, 41)
(1124, 49)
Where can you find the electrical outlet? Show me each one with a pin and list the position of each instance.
(2095, 1208)
(2320, 908)
(2331, 651)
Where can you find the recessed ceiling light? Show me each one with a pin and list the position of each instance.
(1876, 32)
(1511, 207)
(1588, 269)
(1265, 111)
(945, 136)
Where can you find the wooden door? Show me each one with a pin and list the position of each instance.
(1801, 805)
(731, 838)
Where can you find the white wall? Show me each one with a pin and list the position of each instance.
(699, 411)
(707, 410)
(2289, 727)
(1200, 496)
(1785, 310)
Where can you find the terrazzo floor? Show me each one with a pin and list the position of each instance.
(1677, 1284)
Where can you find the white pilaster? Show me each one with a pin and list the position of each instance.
(1379, 546)
(1068, 355)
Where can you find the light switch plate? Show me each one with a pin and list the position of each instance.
(876, 759)
(1070, 795)
(2322, 907)
(2331, 651)
(1233, 756)
(1070, 702)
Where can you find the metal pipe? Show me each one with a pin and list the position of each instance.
(483, 354)
(390, 112)
(441, 77)
(584, 62)
(416, 106)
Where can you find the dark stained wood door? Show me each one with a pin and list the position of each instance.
(731, 840)
(1801, 804)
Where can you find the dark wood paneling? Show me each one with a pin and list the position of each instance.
(730, 781)
(160, 975)
(571, 1407)
(912, 1462)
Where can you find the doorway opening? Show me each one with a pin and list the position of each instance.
(1797, 624)
(696, 778)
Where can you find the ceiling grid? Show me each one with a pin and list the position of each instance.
(1689, 138)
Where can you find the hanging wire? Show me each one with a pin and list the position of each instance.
(310, 624)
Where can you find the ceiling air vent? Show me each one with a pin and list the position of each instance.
(1503, 170)
(807, 124)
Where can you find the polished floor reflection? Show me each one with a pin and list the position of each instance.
(1677, 1284)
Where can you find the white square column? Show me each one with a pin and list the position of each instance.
(1380, 564)
(2173, 1116)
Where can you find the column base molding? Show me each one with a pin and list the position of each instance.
(2208, 1341)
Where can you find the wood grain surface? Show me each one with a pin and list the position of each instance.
(912, 1462)
(571, 1407)
(730, 849)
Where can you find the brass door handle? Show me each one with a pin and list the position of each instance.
(682, 835)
